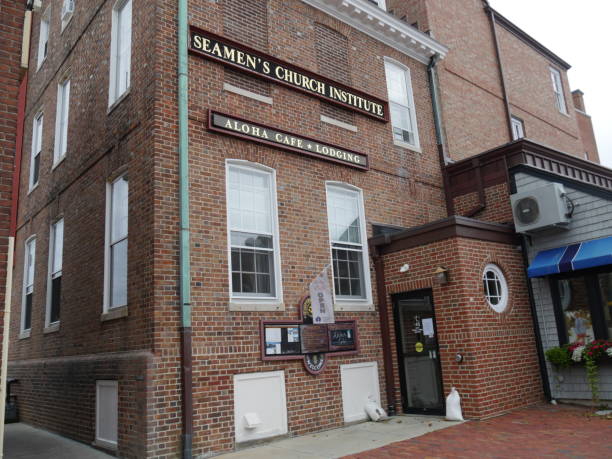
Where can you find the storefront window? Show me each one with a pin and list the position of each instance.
(583, 306)
(576, 311)
(605, 288)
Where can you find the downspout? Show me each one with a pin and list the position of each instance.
(491, 12)
(185, 268)
(437, 112)
(383, 313)
(10, 256)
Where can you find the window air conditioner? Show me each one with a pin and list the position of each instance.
(540, 209)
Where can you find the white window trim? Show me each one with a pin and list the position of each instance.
(36, 135)
(241, 303)
(105, 443)
(413, 118)
(382, 4)
(502, 306)
(364, 304)
(557, 73)
(515, 121)
(66, 20)
(40, 58)
(63, 90)
(23, 332)
(113, 96)
(109, 312)
(52, 326)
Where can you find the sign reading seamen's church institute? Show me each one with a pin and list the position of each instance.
(229, 53)
(281, 139)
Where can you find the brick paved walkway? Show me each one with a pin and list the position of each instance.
(539, 432)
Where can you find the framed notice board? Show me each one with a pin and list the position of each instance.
(280, 340)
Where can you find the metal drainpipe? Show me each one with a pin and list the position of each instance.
(21, 103)
(501, 68)
(185, 268)
(433, 90)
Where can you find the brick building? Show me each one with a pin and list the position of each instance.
(318, 133)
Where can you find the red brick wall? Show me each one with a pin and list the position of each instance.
(11, 23)
(500, 370)
(403, 187)
(497, 208)
(101, 144)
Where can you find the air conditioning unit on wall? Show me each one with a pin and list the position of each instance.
(541, 209)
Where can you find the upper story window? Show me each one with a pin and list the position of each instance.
(379, 3)
(54, 280)
(61, 121)
(43, 37)
(67, 11)
(116, 251)
(37, 133)
(557, 84)
(401, 104)
(518, 129)
(121, 50)
(253, 232)
(347, 236)
(28, 284)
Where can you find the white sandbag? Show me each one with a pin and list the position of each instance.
(453, 406)
(375, 412)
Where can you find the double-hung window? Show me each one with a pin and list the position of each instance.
(43, 37)
(347, 235)
(121, 50)
(557, 85)
(116, 258)
(253, 233)
(54, 280)
(37, 133)
(518, 130)
(401, 104)
(61, 121)
(28, 284)
(379, 3)
(67, 11)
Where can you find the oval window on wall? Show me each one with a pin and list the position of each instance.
(495, 288)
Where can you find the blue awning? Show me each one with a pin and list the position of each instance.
(573, 257)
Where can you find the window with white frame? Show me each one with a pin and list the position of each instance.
(43, 37)
(495, 288)
(379, 3)
(557, 84)
(346, 222)
(518, 129)
(28, 284)
(116, 258)
(37, 133)
(107, 413)
(121, 50)
(401, 104)
(67, 11)
(253, 232)
(61, 121)
(54, 280)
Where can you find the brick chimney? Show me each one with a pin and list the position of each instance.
(577, 95)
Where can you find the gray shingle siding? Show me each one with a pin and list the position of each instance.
(592, 219)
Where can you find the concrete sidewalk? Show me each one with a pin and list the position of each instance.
(22, 441)
(346, 440)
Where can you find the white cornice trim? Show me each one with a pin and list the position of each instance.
(384, 27)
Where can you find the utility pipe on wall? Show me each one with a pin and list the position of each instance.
(185, 252)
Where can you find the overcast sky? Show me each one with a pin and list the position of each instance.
(580, 32)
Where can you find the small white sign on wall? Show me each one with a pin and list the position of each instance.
(359, 386)
(260, 406)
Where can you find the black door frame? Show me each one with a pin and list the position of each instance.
(395, 298)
